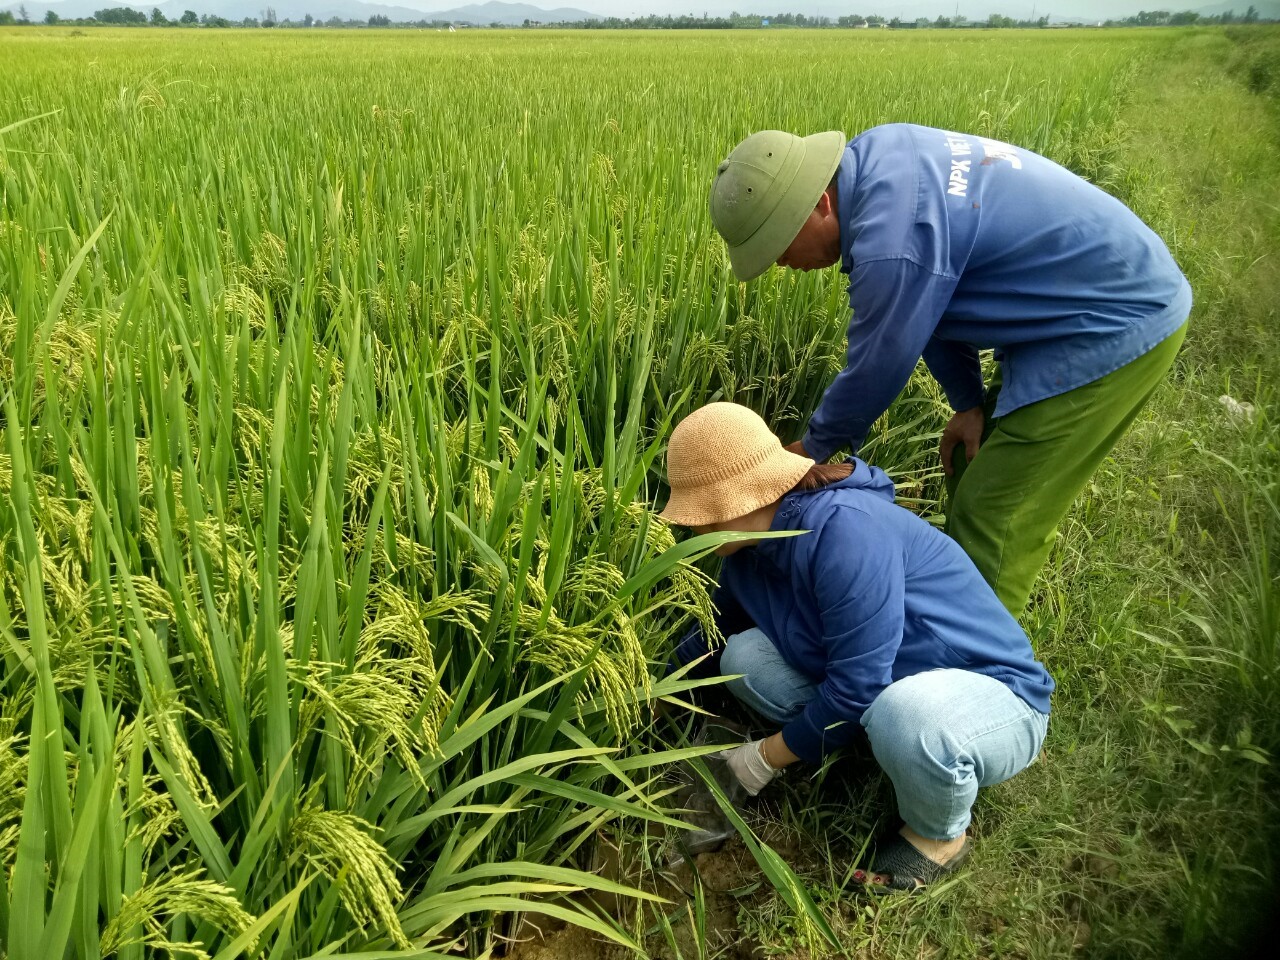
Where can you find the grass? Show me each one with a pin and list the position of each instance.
(336, 370)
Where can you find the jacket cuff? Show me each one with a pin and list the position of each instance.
(692, 646)
(971, 396)
(818, 451)
(811, 738)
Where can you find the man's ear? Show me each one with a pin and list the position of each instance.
(825, 207)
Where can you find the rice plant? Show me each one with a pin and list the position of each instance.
(335, 374)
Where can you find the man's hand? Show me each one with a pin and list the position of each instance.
(797, 447)
(964, 427)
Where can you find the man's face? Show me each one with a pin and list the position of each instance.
(817, 245)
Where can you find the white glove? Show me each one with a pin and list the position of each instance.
(749, 765)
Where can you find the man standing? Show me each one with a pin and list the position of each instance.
(954, 243)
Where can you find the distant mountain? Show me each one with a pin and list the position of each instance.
(511, 13)
(1075, 11)
(508, 14)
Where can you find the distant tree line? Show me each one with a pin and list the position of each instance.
(1163, 18)
(126, 16)
(756, 21)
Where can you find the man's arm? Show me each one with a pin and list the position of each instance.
(958, 371)
(957, 368)
(896, 308)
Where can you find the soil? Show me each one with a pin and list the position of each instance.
(730, 877)
(731, 880)
(568, 943)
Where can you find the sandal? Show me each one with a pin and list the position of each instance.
(907, 868)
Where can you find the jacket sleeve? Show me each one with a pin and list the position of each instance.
(896, 308)
(858, 588)
(957, 369)
(731, 615)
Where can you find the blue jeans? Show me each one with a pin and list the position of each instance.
(939, 735)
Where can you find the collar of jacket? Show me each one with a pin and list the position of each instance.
(775, 551)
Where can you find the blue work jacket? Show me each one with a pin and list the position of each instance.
(871, 594)
(955, 243)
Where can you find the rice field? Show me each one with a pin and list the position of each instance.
(336, 371)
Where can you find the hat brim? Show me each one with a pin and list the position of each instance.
(730, 499)
(822, 153)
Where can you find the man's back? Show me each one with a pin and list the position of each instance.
(1061, 276)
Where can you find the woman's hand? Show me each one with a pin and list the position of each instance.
(755, 764)
(750, 767)
(777, 753)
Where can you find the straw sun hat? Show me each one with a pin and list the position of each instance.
(723, 462)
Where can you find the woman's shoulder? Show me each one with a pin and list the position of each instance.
(842, 504)
(845, 518)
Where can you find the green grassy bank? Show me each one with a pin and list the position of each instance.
(1149, 827)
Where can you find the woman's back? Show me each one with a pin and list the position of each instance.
(872, 594)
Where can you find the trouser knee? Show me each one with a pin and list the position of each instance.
(933, 783)
(909, 735)
(768, 684)
(942, 734)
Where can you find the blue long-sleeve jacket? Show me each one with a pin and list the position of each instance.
(954, 243)
(871, 594)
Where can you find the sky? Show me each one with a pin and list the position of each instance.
(907, 9)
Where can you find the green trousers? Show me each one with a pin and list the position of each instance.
(1005, 505)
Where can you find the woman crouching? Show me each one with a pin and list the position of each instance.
(870, 620)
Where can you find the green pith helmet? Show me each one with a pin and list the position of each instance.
(766, 189)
